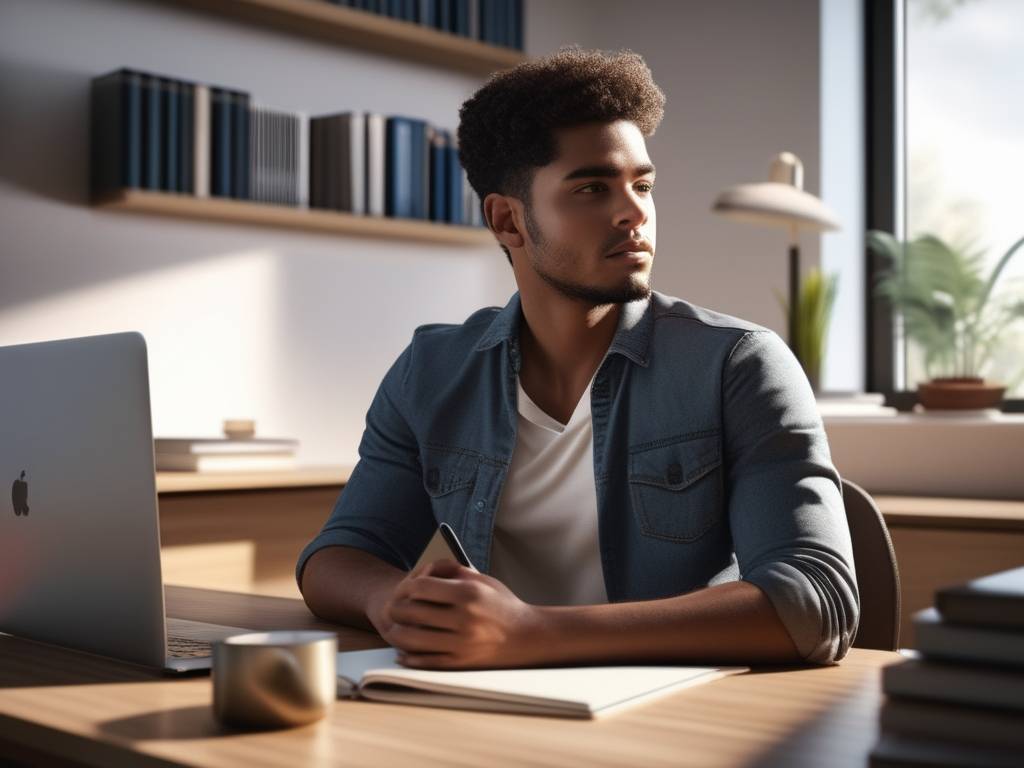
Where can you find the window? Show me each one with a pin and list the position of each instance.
(945, 157)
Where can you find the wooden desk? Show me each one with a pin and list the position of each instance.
(57, 704)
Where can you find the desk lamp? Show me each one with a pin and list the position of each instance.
(781, 202)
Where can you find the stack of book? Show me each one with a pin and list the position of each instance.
(388, 166)
(159, 133)
(498, 22)
(187, 454)
(959, 699)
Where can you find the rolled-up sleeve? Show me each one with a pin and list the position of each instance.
(785, 498)
(384, 508)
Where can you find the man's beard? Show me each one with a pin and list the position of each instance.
(634, 289)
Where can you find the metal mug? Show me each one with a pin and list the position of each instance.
(274, 679)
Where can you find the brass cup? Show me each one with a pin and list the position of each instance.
(274, 679)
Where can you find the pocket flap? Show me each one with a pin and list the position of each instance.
(677, 463)
(447, 470)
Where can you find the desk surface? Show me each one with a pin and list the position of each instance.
(61, 703)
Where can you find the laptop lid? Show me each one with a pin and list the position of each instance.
(79, 534)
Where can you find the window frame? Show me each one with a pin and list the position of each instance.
(884, 106)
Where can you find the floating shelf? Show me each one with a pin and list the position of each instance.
(363, 29)
(310, 220)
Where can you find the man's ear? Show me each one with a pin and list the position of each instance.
(504, 216)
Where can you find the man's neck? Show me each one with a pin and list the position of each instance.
(562, 342)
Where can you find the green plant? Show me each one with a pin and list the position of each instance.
(946, 303)
(814, 313)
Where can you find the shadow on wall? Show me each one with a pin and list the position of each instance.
(45, 130)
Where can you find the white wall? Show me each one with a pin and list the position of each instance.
(296, 329)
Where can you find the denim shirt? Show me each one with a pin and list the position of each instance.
(710, 462)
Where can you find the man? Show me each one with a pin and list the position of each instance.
(636, 478)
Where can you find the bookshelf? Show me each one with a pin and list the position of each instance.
(281, 216)
(357, 28)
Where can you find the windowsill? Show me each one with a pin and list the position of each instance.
(913, 454)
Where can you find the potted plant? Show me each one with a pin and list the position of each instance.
(814, 313)
(948, 309)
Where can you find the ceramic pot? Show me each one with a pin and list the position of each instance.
(969, 393)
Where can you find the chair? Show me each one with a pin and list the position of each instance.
(878, 577)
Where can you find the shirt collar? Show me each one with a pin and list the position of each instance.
(632, 338)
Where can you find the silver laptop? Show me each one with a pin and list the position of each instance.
(80, 541)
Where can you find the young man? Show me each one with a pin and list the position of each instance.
(636, 478)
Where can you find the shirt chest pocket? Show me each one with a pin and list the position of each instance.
(449, 476)
(676, 488)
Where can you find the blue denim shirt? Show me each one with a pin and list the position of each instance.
(710, 461)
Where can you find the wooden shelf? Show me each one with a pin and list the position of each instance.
(302, 477)
(311, 220)
(363, 29)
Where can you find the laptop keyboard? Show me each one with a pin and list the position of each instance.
(187, 648)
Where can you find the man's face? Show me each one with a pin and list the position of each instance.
(593, 200)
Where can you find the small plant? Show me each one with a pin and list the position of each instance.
(946, 302)
(814, 313)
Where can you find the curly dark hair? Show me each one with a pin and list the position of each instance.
(506, 129)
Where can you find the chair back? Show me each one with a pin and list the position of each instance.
(878, 577)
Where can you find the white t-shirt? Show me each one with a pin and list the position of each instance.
(545, 546)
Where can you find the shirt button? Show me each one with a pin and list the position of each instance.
(479, 505)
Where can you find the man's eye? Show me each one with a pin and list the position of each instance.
(589, 186)
(647, 186)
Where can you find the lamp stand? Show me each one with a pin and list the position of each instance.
(794, 291)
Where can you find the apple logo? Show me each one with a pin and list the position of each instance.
(19, 495)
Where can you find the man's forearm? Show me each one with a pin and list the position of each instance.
(342, 584)
(728, 623)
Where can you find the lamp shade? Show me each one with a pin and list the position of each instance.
(779, 202)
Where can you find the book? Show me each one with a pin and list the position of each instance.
(238, 103)
(338, 162)
(965, 724)
(184, 462)
(453, 182)
(939, 639)
(895, 750)
(152, 134)
(116, 150)
(375, 151)
(220, 143)
(980, 685)
(438, 173)
(170, 93)
(201, 142)
(994, 601)
(574, 692)
(205, 446)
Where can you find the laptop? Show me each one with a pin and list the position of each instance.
(80, 541)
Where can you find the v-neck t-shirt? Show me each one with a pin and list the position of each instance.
(545, 546)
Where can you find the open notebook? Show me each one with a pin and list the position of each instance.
(583, 692)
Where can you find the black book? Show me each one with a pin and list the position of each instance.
(993, 601)
(220, 143)
(152, 133)
(186, 134)
(239, 145)
(972, 684)
(115, 134)
(170, 93)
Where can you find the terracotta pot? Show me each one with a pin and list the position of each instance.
(960, 393)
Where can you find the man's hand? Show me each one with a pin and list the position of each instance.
(450, 617)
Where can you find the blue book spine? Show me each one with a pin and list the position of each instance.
(151, 133)
(186, 130)
(171, 135)
(239, 145)
(410, 12)
(504, 20)
(453, 184)
(419, 177)
(398, 167)
(444, 15)
(115, 133)
(220, 143)
(488, 11)
(393, 8)
(460, 24)
(517, 17)
(438, 174)
(428, 13)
